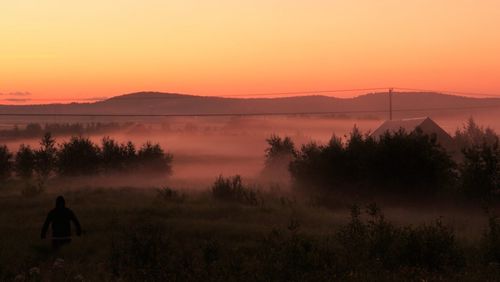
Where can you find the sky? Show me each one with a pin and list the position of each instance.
(56, 50)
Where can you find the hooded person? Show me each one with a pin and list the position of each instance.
(60, 218)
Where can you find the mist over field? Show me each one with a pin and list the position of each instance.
(222, 197)
(205, 147)
(252, 141)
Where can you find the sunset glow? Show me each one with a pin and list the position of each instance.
(58, 50)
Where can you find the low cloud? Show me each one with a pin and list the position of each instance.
(17, 93)
(18, 100)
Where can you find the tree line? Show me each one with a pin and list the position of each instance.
(35, 130)
(81, 156)
(399, 163)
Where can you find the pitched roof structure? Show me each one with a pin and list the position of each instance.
(426, 124)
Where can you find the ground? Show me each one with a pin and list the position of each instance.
(130, 233)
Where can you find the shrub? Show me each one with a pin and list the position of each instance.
(117, 157)
(378, 243)
(279, 154)
(45, 157)
(480, 171)
(5, 163)
(24, 162)
(291, 256)
(232, 189)
(432, 247)
(153, 159)
(169, 194)
(471, 134)
(78, 156)
(399, 163)
(490, 242)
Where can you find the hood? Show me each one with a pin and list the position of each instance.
(60, 203)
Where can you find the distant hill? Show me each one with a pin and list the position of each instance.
(405, 104)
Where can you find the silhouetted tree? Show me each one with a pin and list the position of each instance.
(397, 163)
(113, 155)
(279, 154)
(413, 160)
(480, 170)
(153, 159)
(78, 156)
(5, 163)
(45, 157)
(130, 155)
(24, 162)
(471, 134)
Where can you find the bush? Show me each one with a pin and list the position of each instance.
(117, 157)
(45, 157)
(400, 163)
(378, 243)
(153, 159)
(5, 163)
(279, 154)
(433, 247)
(480, 171)
(490, 242)
(169, 194)
(25, 162)
(291, 256)
(471, 134)
(78, 156)
(232, 189)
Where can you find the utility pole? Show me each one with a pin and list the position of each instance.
(390, 103)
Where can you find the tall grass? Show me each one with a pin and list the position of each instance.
(134, 235)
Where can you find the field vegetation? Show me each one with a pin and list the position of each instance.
(396, 208)
(163, 234)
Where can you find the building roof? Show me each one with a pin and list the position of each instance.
(426, 124)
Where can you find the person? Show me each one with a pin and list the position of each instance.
(60, 217)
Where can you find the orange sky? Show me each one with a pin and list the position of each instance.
(62, 50)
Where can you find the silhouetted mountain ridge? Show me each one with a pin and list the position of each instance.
(404, 104)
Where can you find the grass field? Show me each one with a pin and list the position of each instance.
(134, 234)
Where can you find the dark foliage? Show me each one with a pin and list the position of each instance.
(78, 156)
(480, 171)
(490, 243)
(24, 162)
(36, 129)
(232, 189)
(117, 157)
(471, 134)
(153, 159)
(379, 243)
(169, 194)
(397, 163)
(45, 157)
(5, 163)
(140, 253)
(279, 153)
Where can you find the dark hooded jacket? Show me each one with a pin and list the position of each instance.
(60, 218)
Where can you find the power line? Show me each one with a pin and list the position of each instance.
(250, 114)
(451, 92)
